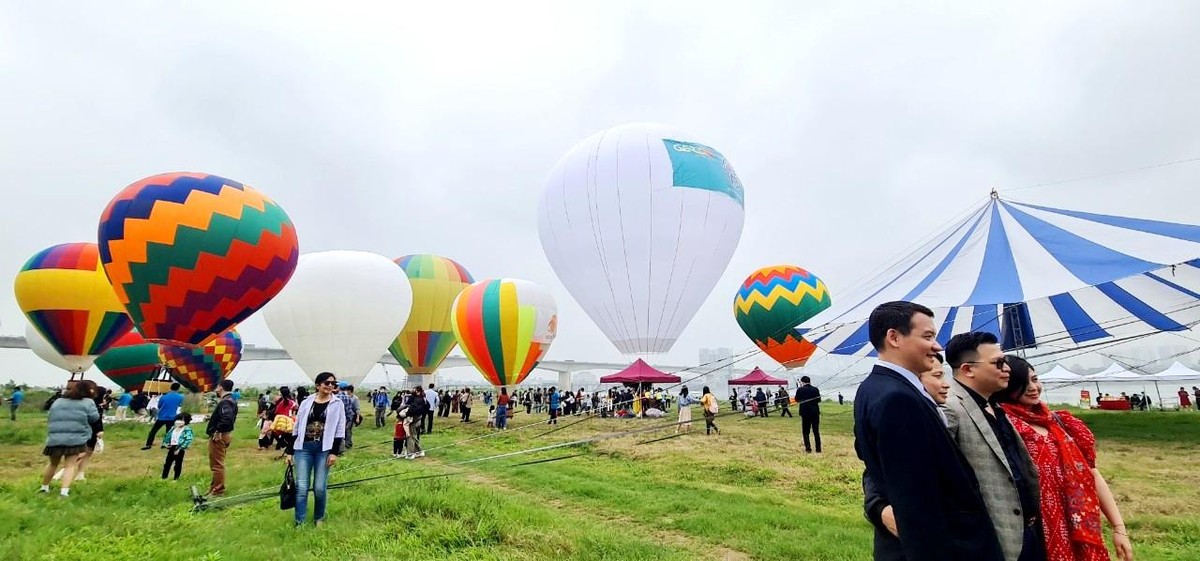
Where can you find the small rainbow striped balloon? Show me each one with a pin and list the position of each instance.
(190, 255)
(772, 302)
(428, 336)
(200, 369)
(130, 362)
(505, 326)
(65, 295)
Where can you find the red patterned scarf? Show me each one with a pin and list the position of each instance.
(1079, 484)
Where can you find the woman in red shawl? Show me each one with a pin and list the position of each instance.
(1074, 494)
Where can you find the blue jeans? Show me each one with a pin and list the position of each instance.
(502, 417)
(311, 461)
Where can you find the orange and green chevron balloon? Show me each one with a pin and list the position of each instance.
(505, 327)
(428, 336)
(772, 302)
(190, 254)
(130, 362)
(65, 295)
(200, 369)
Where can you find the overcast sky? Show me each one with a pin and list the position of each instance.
(856, 128)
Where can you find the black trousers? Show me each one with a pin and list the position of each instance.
(398, 446)
(158, 424)
(785, 412)
(174, 459)
(811, 423)
(466, 413)
(429, 422)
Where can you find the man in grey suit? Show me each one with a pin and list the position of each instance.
(1007, 477)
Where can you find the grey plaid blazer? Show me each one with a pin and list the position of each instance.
(970, 429)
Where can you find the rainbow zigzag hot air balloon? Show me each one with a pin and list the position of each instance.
(505, 326)
(190, 255)
(67, 298)
(428, 335)
(772, 302)
(130, 362)
(200, 369)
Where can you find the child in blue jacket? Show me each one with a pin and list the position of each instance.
(177, 440)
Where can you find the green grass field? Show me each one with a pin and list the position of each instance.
(750, 493)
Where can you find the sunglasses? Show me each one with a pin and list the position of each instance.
(329, 383)
(999, 363)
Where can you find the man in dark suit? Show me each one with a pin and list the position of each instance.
(910, 459)
(808, 399)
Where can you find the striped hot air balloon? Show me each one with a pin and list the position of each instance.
(505, 326)
(68, 300)
(130, 362)
(428, 336)
(772, 302)
(190, 254)
(200, 369)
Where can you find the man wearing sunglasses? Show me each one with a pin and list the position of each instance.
(1007, 477)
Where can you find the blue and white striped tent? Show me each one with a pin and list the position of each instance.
(1036, 276)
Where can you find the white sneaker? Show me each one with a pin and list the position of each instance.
(421, 454)
(81, 477)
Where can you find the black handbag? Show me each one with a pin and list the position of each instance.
(287, 491)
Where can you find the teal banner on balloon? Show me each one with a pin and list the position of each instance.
(699, 167)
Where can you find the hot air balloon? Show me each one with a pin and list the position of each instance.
(200, 369)
(772, 302)
(505, 326)
(428, 336)
(130, 362)
(191, 255)
(340, 312)
(639, 221)
(44, 350)
(69, 301)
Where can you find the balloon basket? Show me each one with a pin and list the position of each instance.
(160, 384)
(75, 378)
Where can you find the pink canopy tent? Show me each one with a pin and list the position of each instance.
(757, 377)
(640, 373)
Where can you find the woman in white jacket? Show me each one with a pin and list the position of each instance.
(317, 443)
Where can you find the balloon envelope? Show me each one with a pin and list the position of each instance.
(340, 312)
(505, 326)
(639, 222)
(191, 255)
(200, 369)
(45, 351)
(130, 362)
(428, 337)
(772, 302)
(67, 298)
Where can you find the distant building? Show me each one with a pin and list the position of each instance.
(719, 367)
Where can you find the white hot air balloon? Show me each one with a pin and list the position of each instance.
(639, 222)
(75, 364)
(339, 312)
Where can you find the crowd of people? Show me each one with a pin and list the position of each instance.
(976, 466)
(977, 456)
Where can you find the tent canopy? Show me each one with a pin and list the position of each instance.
(1035, 276)
(1059, 374)
(640, 373)
(1177, 371)
(757, 377)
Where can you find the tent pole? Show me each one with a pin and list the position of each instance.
(1159, 392)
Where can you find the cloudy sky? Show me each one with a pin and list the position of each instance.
(857, 128)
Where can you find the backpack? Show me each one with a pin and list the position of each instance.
(712, 406)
